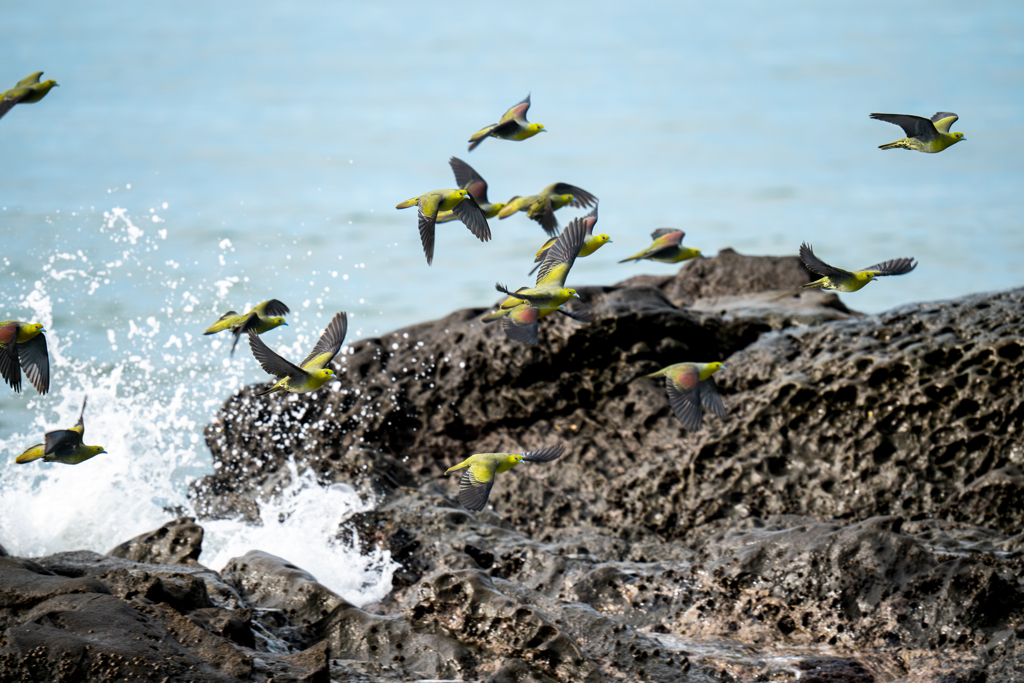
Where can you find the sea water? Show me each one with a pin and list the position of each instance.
(198, 158)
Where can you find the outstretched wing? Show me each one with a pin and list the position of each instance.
(816, 265)
(518, 111)
(913, 126)
(62, 442)
(427, 214)
(329, 343)
(472, 216)
(686, 405)
(896, 266)
(35, 361)
(272, 307)
(562, 255)
(10, 368)
(661, 232)
(544, 454)
(521, 324)
(469, 180)
(583, 315)
(270, 361)
(943, 120)
(475, 486)
(710, 398)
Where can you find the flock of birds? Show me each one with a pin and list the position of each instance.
(690, 386)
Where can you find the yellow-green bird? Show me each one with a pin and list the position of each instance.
(23, 345)
(266, 316)
(541, 207)
(691, 389)
(478, 479)
(522, 310)
(841, 280)
(512, 126)
(924, 135)
(63, 445)
(27, 91)
(666, 248)
(457, 201)
(313, 372)
(473, 183)
(590, 245)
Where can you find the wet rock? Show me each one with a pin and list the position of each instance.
(177, 542)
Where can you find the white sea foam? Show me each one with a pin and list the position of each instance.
(150, 393)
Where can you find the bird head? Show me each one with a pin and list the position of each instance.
(697, 253)
(95, 450)
(36, 327)
(277, 320)
(463, 194)
(572, 292)
(49, 84)
(958, 136)
(535, 128)
(498, 207)
(603, 239)
(516, 458)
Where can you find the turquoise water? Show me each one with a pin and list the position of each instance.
(201, 157)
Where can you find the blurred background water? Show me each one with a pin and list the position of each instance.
(199, 157)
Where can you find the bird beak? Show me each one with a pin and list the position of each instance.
(284, 323)
(576, 294)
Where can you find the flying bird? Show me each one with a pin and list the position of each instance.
(541, 207)
(924, 135)
(457, 201)
(512, 126)
(23, 346)
(478, 478)
(666, 248)
(27, 91)
(846, 281)
(266, 316)
(63, 445)
(691, 389)
(590, 245)
(472, 182)
(313, 373)
(522, 310)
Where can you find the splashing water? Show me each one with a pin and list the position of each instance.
(153, 381)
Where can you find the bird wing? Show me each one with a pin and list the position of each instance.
(562, 254)
(80, 426)
(896, 266)
(816, 265)
(546, 217)
(661, 232)
(709, 397)
(251, 322)
(517, 112)
(8, 102)
(544, 454)
(584, 315)
(521, 324)
(427, 217)
(329, 344)
(472, 216)
(590, 220)
(31, 79)
(476, 485)
(581, 199)
(10, 369)
(271, 362)
(685, 404)
(62, 442)
(469, 180)
(913, 126)
(35, 361)
(272, 307)
(944, 120)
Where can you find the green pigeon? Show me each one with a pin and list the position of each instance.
(63, 445)
(512, 126)
(263, 317)
(473, 183)
(691, 389)
(23, 345)
(666, 248)
(924, 135)
(313, 373)
(458, 201)
(841, 280)
(27, 91)
(590, 245)
(478, 478)
(541, 207)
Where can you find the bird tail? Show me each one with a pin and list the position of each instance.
(268, 391)
(635, 257)
(895, 145)
(479, 137)
(494, 315)
(221, 324)
(407, 203)
(34, 453)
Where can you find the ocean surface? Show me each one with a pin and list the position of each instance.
(202, 157)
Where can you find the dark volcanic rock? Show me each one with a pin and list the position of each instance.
(177, 542)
